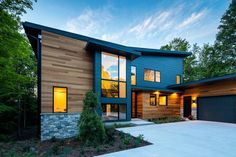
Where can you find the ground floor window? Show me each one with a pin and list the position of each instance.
(60, 95)
(163, 100)
(112, 112)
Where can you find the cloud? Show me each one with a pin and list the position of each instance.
(150, 24)
(194, 17)
(89, 22)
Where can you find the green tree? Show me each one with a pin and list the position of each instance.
(177, 44)
(225, 43)
(17, 68)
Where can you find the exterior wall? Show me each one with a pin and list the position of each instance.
(171, 110)
(168, 66)
(214, 89)
(59, 125)
(65, 63)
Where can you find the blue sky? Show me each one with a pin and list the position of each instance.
(142, 23)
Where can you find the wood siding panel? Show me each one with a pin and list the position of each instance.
(65, 63)
(151, 112)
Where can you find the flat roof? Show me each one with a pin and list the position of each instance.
(203, 82)
(32, 29)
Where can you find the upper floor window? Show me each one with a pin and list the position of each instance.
(152, 75)
(113, 72)
(149, 75)
(59, 99)
(178, 79)
(157, 76)
(133, 75)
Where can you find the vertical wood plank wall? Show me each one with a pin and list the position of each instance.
(65, 63)
(171, 110)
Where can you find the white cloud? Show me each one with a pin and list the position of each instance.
(89, 22)
(192, 19)
(150, 24)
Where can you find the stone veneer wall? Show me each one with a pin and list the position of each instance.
(59, 125)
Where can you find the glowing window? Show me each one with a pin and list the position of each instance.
(163, 100)
(149, 75)
(178, 79)
(59, 99)
(153, 100)
(158, 76)
(133, 75)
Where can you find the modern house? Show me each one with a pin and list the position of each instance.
(131, 82)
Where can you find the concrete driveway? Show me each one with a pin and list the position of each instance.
(183, 139)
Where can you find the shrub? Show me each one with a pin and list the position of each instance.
(127, 140)
(110, 131)
(91, 128)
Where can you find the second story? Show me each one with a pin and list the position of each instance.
(157, 68)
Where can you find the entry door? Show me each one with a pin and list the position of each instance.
(187, 106)
(134, 105)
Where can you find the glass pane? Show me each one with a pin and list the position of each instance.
(122, 112)
(133, 75)
(149, 75)
(162, 100)
(158, 76)
(110, 89)
(178, 79)
(109, 66)
(122, 69)
(122, 90)
(109, 112)
(60, 99)
(153, 100)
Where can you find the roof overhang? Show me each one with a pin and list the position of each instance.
(154, 89)
(230, 77)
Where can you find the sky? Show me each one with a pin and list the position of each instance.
(139, 23)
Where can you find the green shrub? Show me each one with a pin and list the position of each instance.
(110, 131)
(127, 140)
(91, 128)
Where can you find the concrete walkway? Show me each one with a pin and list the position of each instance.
(183, 139)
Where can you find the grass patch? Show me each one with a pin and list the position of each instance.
(166, 120)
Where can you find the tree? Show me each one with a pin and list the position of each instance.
(225, 43)
(177, 44)
(17, 68)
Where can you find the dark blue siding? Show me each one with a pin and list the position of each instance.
(168, 66)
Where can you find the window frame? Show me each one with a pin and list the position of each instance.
(154, 75)
(135, 75)
(118, 81)
(153, 95)
(179, 79)
(118, 118)
(53, 98)
(163, 95)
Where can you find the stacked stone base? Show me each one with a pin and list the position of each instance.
(59, 125)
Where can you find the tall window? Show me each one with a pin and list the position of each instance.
(149, 75)
(163, 100)
(133, 75)
(153, 100)
(178, 79)
(113, 71)
(59, 99)
(157, 76)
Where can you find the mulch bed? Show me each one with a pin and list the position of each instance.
(70, 147)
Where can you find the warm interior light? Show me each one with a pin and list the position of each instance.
(194, 104)
(157, 92)
(60, 99)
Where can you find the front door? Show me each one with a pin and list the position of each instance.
(187, 106)
(134, 105)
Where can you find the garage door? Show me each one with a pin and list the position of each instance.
(218, 108)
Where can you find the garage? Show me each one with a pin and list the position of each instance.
(217, 108)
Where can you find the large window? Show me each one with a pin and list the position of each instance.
(59, 99)
(178, 79)
(112, 112)
(113, 75)
(153, 100)
(163, 100)
(152, 75)
(149, 75)
(133, 75)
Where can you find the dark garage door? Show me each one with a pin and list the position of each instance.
(217, 108)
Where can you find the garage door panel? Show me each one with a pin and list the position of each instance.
(220, 108)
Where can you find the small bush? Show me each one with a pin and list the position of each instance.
(139, 139)
(91, 128)
(110, 131)
(127, 140)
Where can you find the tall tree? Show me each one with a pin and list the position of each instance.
(225, 43)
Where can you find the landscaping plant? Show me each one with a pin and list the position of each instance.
(91, 128)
